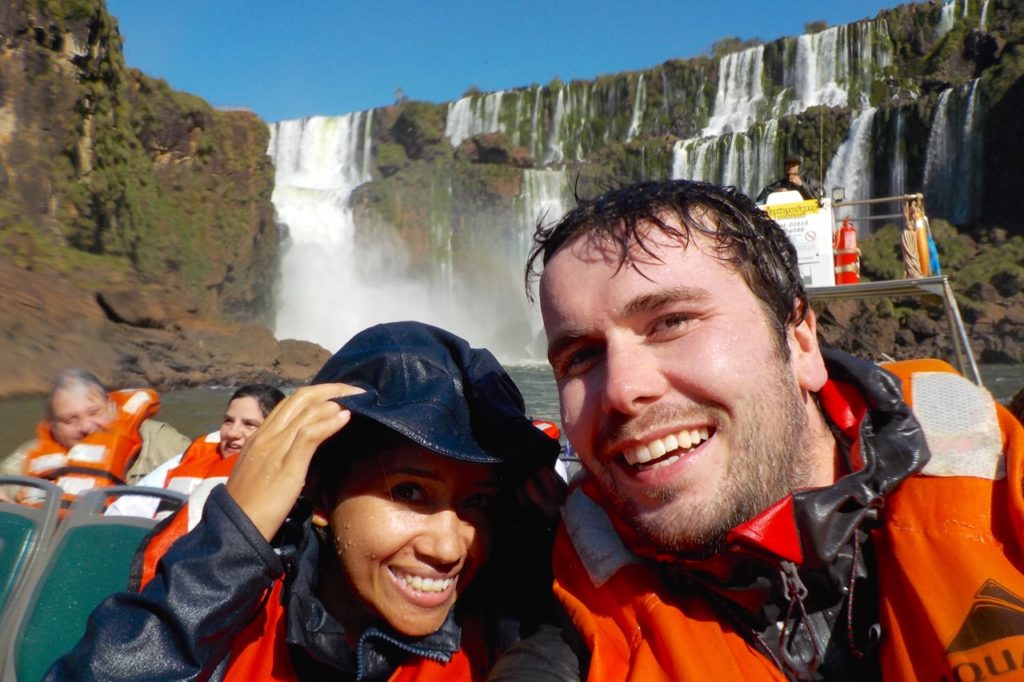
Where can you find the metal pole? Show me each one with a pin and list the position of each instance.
(880, 200)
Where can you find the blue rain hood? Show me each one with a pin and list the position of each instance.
(430, 386)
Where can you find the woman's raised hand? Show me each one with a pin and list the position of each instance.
(271, 469)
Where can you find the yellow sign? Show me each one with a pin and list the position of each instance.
(797, 210)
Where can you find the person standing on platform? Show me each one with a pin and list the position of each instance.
(790, 182)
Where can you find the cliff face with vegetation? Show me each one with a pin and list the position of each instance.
(924, 97)
(145, 185)
(127, 211)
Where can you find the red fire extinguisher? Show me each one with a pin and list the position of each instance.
(846, 253)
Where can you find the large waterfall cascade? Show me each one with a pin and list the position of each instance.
(738, 111)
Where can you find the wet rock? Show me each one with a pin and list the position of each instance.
(922, 325)
(982, 292)
(128, 306)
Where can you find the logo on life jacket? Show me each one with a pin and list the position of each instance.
(997, 613)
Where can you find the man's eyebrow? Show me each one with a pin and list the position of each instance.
(565, 339)
(655, 300)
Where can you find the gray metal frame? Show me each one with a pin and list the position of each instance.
(923, 287)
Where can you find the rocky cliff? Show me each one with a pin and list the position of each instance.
(128, 212)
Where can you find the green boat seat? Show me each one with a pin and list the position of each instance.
(89, 558)
(24, 531)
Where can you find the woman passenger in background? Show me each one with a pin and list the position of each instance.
(410, 556)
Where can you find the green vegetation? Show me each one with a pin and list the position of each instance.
(138, 181)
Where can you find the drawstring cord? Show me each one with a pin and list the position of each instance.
(795, 592)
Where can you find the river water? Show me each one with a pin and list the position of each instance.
(195, 411)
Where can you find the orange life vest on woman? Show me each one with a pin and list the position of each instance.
(202, 467)
(261, 652)
(99, 460)
(949, 559)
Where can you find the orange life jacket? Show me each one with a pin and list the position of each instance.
(949, 563)
(99, 460)
(260, 652)
(201, 469)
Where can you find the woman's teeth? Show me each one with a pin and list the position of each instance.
(421, 584)
(654, 450)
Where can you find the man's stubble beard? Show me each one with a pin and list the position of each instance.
(770, 459)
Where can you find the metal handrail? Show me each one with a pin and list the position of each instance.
(924, 287)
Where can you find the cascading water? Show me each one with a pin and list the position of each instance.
(739, 93)
(334, 284)
(639, 105)
(898, 170)
(541, 201)
(947, 18)
(952, 170)
(820, 70)
(744, 160)
(467, 267)
(319, 162)
(471, 116)
(851, 166)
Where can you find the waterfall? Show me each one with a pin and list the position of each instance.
(639, 105)
(952, 172)
(459, 265)
(739, 92)
(745, 160)
(319, 161)
(850, 168)
(969, 171)
(982, 20)
(947, 18)
(335, 282)
(820, 70)
(898, 170)
(937, 167)
(543, 200)
(473, 115)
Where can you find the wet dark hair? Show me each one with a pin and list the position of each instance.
(745, 237)
(266, 396)
(337, 455)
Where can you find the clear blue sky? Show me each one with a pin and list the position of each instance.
(292, 58)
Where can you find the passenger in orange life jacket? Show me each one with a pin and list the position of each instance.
(755, 507)
(407, 556)
(209, 458)
(91, 436)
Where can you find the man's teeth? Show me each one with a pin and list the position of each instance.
(421, 584)
(656, 449)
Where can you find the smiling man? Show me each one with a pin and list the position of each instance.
(755, 507)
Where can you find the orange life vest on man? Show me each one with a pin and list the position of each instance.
(99, 460)
(202, 468)
(949, 559)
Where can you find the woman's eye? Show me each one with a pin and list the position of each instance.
(408, 492)
(480, 501)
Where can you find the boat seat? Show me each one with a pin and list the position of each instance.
(89, 558)
(24, 531)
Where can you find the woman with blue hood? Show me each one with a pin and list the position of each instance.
(407, 556)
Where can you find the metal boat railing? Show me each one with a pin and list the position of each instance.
(923, 287)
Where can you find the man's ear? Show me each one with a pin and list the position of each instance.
(805, 355)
